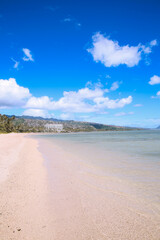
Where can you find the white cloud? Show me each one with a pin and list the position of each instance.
(89, 84)
(73, 21)
(68, 20)
(16, 63)
(120, 114)
(108, 76)
(11, 94)
(85, 100)
(154, 80)
(114, 86)
(110, 53)
(153, 42)
(37, 113)
(157, 95)
(66, 116)
(28, 55)
(40, 102)
(105, 102)
(80, 101)
(71, 101)
(138, 105)
(148, 48)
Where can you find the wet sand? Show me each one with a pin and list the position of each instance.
(47, 193)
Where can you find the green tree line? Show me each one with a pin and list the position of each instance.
(6, 124)
(12, 124)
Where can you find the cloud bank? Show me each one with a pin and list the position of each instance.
(85, 100)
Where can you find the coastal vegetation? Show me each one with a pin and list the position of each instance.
(10, 124)
(37, 124)
(6, 124)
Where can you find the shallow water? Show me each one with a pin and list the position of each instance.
(130, 157)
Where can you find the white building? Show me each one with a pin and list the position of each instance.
(56, 127)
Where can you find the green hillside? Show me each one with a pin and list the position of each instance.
(37, 124)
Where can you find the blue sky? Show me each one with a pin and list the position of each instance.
(85, 60)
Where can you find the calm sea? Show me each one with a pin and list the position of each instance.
(130, 157)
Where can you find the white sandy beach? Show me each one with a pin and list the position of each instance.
(62, 199)
(23, 190)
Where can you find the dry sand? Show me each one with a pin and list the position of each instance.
(24, 210)
(63, 199)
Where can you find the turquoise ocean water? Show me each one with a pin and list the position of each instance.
(133, 157)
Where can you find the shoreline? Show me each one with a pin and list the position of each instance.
(93, 204)
(48, 194)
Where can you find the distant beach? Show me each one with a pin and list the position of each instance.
(76, 187)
